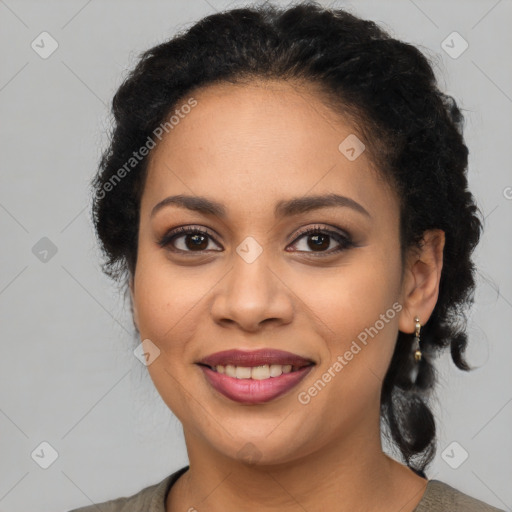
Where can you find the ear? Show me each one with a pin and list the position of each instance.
(132, 303)
(420, 285)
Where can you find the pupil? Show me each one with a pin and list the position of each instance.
(319, 245)
(197, 242)
(320, 241)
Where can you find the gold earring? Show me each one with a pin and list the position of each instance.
(416, 346)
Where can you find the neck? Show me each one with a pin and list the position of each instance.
(342, 477)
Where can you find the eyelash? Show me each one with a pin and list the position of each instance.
(344, 240)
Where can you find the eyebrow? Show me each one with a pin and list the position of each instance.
(284, 208)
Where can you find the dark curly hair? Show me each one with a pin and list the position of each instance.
(413, 133)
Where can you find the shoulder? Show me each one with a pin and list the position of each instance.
(441, 497)
(149, 499)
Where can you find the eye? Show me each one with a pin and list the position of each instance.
(197, 240)
(320, 240)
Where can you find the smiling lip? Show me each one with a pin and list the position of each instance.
(250, 358)
(250, 391)
(254, 391)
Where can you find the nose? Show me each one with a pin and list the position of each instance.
(251, 296)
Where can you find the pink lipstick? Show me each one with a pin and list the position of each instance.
(256, 376)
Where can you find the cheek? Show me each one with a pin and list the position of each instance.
(167, 300)
(350, 297)
(168, 296)
(168, 304)
(354, 309)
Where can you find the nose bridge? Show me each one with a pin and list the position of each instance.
(252, 292)
(251, 268)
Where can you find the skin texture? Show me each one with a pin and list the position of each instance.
(248, 147)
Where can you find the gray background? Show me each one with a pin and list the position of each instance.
(68, 374)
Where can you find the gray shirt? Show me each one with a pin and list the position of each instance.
(438, 497)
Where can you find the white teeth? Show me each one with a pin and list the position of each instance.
(242, 372)
(276, 370)
(230, 370)
(256, 372)
(260, 372)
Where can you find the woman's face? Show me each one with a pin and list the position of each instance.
(255, 282)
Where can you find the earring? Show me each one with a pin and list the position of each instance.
(416, 341)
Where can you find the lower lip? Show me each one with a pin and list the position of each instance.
(253, 391)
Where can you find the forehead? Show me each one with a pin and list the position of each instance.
(258, 142)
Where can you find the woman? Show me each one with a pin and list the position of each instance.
(285, 196)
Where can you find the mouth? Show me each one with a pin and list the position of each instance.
(260, 372)
(254, 377)
(252, 358)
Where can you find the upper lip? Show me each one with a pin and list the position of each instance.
(250, 358)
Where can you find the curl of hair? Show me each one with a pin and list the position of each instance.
(413, 133)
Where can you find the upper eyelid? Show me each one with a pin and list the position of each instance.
(180, 231)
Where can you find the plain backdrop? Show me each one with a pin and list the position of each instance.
(68, 374)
